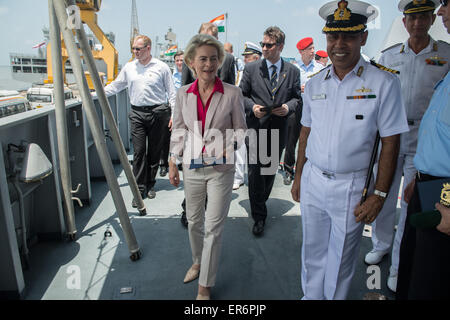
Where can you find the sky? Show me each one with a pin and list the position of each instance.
(21, 22)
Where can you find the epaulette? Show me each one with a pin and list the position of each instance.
(379, 66)
(395, 45)
(314, 74)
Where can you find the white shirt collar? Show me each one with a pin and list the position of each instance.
(277, 64)
(427, 49)
(362, 63)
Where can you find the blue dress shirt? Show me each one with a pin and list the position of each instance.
(433, 149)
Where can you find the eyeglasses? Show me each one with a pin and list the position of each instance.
(444, 2)
(138, 49)
(268, 45)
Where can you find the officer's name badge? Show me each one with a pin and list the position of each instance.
(370, 96)
(436, 61)
(322, 96)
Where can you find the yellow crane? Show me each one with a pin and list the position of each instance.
(108, 53)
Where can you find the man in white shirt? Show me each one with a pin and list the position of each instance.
(149, 82)
(345, 105)
(322, 57)
(422, 63)
(178, 58)
(308, 66)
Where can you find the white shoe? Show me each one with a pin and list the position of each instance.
(374, 257)
(392, 283)
(237, 185)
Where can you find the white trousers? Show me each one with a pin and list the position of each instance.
(241, 160)
(331, 236)
(205, 228)
(383, 227)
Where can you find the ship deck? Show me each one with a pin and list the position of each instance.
(95, 267)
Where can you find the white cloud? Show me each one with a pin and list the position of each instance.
(309, 11)
(3, 11)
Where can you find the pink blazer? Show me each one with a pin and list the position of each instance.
(225, 125)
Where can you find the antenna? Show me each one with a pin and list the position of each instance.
(134, 23)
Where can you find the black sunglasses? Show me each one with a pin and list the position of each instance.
(268, 45)
(138, 49)
(444, 2)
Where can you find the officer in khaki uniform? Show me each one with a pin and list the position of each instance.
(422, 63)
(345, 105)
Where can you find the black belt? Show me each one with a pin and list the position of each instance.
(426, 177)
(145, 108)
(412, 122)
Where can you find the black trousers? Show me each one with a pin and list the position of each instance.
(294, 128)
(259, 185)
(164, 161)
(424, 259)
(147, 125)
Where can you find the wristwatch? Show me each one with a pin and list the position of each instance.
(380, 193)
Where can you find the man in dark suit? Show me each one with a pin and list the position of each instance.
(226, 73)
(271, 89)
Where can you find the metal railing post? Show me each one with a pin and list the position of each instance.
(61, 125)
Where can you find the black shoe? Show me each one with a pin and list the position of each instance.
(163, 171)
(258, 228)
(287, 180)
(184, 221)
(151, 194)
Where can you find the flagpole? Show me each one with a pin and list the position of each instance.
(226, 27)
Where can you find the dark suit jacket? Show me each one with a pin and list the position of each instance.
(226, 73)
(255, 86)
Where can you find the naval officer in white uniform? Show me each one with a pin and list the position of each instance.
(345, 105)
(422, 63)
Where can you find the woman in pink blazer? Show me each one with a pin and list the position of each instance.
(208, 125)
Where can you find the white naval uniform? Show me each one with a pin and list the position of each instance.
(339, 147)
(241, 153)
(305, 74)
(418, 77)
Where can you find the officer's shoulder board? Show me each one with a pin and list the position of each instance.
(391, 47)
(314, 74)
(381, 67)
(443, 43)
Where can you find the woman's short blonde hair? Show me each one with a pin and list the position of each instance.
(202, 40)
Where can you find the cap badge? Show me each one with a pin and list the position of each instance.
(342, 13)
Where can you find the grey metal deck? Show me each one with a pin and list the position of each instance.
(266, 268)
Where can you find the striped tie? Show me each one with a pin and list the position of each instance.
(273, 78)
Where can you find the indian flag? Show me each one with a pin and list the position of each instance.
(219, 22)
(171, 51)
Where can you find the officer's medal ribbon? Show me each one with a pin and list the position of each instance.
(360, 97)
(436, 61)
